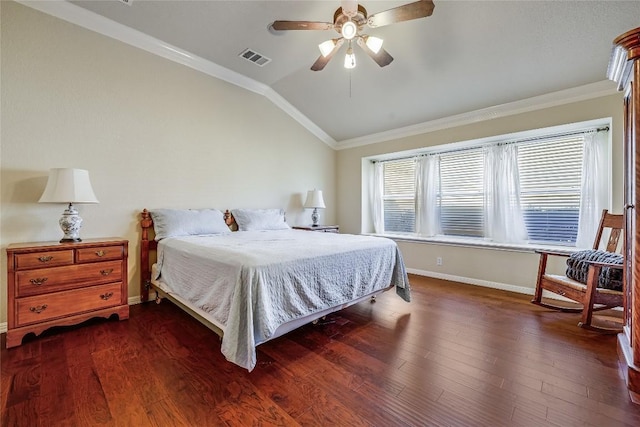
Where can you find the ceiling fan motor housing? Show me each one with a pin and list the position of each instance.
(339, 18)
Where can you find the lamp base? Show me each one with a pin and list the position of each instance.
(70, 223)
(314, 217)
(63, 240)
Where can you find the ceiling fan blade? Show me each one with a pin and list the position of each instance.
(415, 10)
(301, 25)
(322, 61)
(382, 58)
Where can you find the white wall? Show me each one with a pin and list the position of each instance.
(152, 134)
(500, 268)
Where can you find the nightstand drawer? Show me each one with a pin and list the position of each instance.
(100, 254)
(50, 306)
(44, 259)
(44, 280)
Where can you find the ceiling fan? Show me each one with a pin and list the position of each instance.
(349, 21)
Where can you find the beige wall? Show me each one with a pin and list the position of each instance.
(478, 265)
(152, 133)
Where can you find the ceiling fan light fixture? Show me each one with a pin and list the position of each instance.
(349, 59)
(349, 30)
(374, 43)
(327, 47)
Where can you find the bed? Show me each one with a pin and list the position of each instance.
(251, 278)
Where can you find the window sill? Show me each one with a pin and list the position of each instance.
(477, 243)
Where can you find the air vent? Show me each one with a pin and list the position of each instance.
(255, 57)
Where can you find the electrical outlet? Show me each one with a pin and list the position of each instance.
(439, 260)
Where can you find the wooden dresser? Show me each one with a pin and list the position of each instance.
(58, 284)
(624, 69)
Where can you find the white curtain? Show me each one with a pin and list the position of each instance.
(377, 213)
(595, 184)
(427, 186)
(504, 221)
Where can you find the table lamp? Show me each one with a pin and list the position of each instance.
(66, 185)
(314, 201)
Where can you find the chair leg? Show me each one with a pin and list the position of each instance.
(592, 283)
(537, 296)
(587, 312)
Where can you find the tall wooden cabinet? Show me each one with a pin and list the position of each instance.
(624, 69)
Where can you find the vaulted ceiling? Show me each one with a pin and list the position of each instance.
(468, 56)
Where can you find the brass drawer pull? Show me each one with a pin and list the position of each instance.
(45, 258)
(38, 309)
(101, 253)
(106, 272)
(38, 281)
(106, 296)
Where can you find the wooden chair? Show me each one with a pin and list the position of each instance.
(588, 295)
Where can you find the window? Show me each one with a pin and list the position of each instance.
(399, 194)
(461, 195)
(550, 179)
(548, 190)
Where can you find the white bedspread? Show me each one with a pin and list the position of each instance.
(254, 281)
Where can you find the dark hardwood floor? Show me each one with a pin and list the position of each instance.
(457, 355)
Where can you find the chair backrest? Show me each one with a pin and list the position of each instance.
(615, 224)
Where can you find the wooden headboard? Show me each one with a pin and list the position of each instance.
(148, 245)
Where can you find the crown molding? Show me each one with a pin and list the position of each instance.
(279, 101)
(101, 25)
(567, 96)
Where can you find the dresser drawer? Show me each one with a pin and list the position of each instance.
(43, 259)
(44, 280)
(100, 254)
(41, 308)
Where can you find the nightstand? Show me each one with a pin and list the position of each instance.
(321, 228)
(60, 284)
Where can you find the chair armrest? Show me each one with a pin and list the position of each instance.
(555, 253)
(605, 264)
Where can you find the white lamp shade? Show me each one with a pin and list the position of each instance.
(374, 43)
(66, 185)
(350, 59)
(326, 47)
(314, 199)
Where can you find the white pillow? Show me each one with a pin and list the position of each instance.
(186, 222)
(260, 219)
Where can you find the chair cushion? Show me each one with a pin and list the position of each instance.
(578, 268)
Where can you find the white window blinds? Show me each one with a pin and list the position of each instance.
(461, 193)
(399, 196)
(550, 173)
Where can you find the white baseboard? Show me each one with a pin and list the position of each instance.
(3, 327)
(134, 300)
(485, 283)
